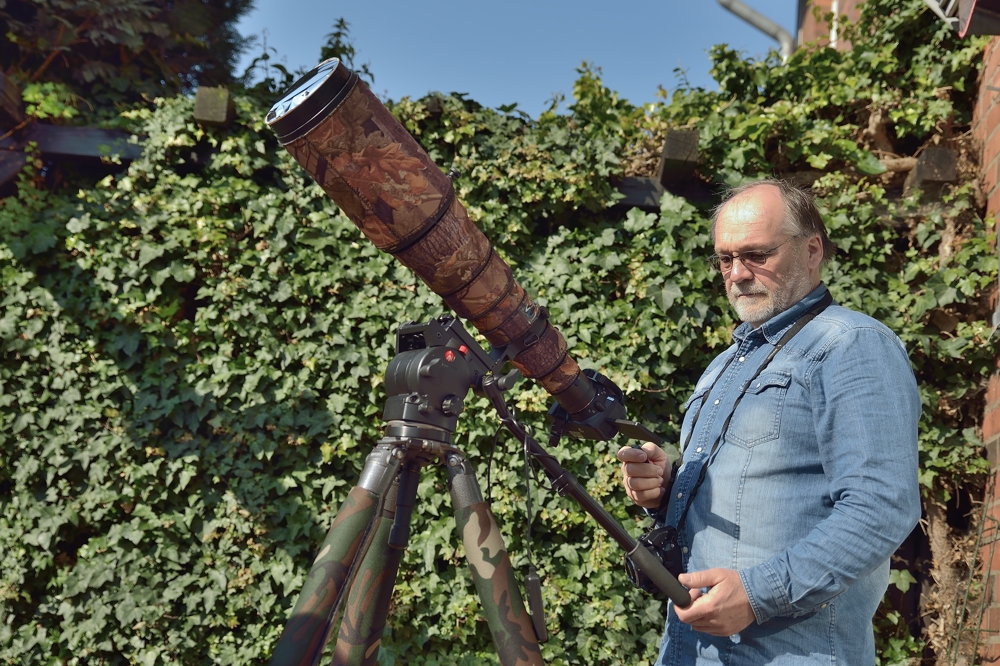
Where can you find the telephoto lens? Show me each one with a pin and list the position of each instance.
(367, 162)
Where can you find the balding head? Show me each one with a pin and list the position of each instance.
(801, 216)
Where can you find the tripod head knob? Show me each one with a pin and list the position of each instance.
(452, 405)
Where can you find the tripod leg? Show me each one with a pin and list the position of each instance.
(309, 625)
(368, 600)
(510, 624)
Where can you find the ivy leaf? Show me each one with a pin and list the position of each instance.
(819, 160)
(182, 272)
(665, 295)
(868, 164)
(902, 579)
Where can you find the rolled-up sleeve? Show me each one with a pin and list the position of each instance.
(866, 409)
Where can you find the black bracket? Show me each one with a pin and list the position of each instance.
(501, 355)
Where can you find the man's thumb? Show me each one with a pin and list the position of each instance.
(695, 579)
(653, 452)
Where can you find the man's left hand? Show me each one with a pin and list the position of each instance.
(724, 610)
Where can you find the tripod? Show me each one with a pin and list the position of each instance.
(355, 571)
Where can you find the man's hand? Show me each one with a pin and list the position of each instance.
(724, 610)
(646, 474)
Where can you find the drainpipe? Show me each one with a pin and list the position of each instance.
(764, 24)
(833, 25)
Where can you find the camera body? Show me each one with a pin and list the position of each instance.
(662, 542)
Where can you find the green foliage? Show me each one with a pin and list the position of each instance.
(114, 52)
(815, 110)
(338, 45)
(49, 100)
(193, 351)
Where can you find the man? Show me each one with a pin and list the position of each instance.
(810, 458)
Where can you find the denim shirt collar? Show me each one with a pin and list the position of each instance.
(775, 327)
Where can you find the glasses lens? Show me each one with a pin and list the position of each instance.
(754, 258)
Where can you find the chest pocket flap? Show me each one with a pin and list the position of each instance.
(694, 397)
(769, 380)
(758, 416)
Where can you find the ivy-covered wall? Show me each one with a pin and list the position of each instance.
(193, 348)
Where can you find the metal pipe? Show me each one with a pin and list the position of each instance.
(764, 24)
(945, 13)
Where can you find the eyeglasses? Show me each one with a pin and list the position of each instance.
(752, 259)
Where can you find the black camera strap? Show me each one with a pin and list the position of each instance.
(808, 316)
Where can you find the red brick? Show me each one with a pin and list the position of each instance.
(989, 146)
(993, 203)
(991, 423)
(993, 390)
(979, 133)
(991, 60)
(988, 652)
(991, 619)
(989, 49)
(992, 559)
(978, 125)
(994, 510)
(992, 146)
(989, 176)
(988, 133)
(992, 119)
(989, 588)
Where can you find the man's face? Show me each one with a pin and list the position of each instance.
(754, 221)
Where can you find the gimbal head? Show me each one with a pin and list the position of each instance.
(438, 362)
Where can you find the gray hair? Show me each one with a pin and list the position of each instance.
(802, 217)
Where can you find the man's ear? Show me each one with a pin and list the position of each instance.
(815, 257)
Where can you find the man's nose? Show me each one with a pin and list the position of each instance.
(740, 273)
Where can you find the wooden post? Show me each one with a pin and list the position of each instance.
(11, 111)
(214, 107)
(680, 156)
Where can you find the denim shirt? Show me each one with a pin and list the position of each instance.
(811, 489)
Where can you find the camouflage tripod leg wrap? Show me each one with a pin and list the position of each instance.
(510, 624)
(310, 624)
(368, 600)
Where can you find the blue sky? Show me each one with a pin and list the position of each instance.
(521, 51)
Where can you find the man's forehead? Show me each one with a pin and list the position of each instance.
(754, 217)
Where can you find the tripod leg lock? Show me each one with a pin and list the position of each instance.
(381, 467)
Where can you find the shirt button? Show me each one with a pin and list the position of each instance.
(742, 358)
(822, 605)
(758, 384)
(717, 402)
(680, 495)
(698, 450)
(684, 549)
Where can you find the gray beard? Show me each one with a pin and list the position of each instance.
(760, 310)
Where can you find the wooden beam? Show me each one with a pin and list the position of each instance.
(82, 141)
(11, 163)
(643, 193)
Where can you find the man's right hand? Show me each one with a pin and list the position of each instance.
(646, 474)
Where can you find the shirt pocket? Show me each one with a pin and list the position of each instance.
(757, 418)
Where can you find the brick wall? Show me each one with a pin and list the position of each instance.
(986, 131)
(986, 125)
